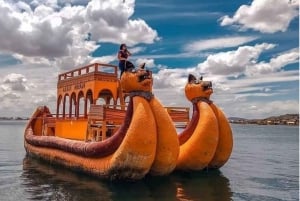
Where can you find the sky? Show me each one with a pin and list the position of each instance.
(248, 49)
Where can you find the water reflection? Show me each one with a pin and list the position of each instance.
(207, 186)
(45, 182)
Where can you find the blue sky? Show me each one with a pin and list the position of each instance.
(248, 49)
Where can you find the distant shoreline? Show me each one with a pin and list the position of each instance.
(259, 124)
(286, 119)
(13, 119)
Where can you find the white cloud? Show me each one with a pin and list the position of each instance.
(170, 56)
(253, 109)
(149, 62)
(233, 62)
(243, 84)
(218, 43)
(170, 78)
(275, 63)
(24, 87)
(267, 16)
(14, 82)
(43, 32)
(136, 49)
(104, 59)
(241, 95)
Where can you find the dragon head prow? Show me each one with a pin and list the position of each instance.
(137, 80)
(197, 88)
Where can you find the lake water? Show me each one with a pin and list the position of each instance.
(264, 166)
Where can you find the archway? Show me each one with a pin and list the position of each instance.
(81, 105)
(105, 95)
(66, 106)
(88, 102)
(73, 105)
(59, 107)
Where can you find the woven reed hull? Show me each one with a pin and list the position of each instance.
(99, 167)
(131, 160)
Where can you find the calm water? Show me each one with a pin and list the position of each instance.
(264, 166)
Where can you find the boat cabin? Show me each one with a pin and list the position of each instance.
(91, 105)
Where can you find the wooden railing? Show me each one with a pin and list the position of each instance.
(92, 68)
(179, 115)
(102, 121)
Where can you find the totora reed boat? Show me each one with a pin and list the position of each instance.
(117, 129)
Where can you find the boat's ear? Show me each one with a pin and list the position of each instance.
(191, 78)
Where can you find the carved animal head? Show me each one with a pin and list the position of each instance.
(137, 80)
(197, 88)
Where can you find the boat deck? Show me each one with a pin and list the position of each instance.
(101, 122)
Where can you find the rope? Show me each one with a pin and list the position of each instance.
(144, 94)
(200, 98)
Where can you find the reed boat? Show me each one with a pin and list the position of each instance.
(117, 129)
(105, 126)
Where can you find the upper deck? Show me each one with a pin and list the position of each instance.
(92, 72)
(92, 79)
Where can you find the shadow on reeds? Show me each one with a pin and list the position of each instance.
(49, 182)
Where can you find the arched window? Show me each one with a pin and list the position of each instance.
(81, 104)
(66, 106)
(100, 101)
(104, 97)
(73, 105)
(60, 107)
(89, 101)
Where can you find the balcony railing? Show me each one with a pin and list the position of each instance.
(92, 68)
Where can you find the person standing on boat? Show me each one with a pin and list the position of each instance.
(123, 54)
